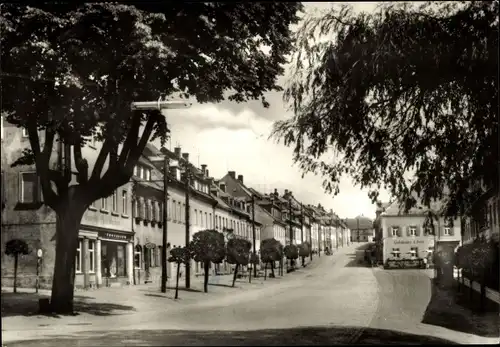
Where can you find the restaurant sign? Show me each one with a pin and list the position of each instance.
(114, 236)
(408, 242)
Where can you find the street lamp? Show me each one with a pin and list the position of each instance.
(158, 106)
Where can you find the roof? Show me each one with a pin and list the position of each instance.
(394, 209)
(364, 223)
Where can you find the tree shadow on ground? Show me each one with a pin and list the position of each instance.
(455, 310)
(184, 289)
(268, 337)
(26, 304)
(222, 285)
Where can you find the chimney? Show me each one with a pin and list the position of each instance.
(177, 152)
(276, 192)
(185, 156)
(223, 187)
(203, 168)
(206, 173)
(232, 174)
(286, 192)
(240, 178)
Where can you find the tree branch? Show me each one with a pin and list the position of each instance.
(131, 139)
(101, 159)
(81, 164)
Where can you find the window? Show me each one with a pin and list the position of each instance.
(447, 231)
(395, 231)
(206, 220)
(427, 231)
(104, 204)
(91, 256)
(25, 132)
(29, 188)
(124, 202)
(412, 231)
(173, 207)
(93, 204)
(141, 172)
(148, 209)
(136, 170)
(195, 217)
(137, 257)
(115, 201)
(147, 174)
(210, 220)
(179, 212)
(395, 253)
(414, 252)
(78, 262)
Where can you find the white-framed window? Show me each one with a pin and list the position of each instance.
(104, 204)
(394, 231)
(396, 253)
(210, 220)
(136, 170)
(137, 256)
(147, 174)
(124, 202)
(412, 231)
(141, 172)
(447, 231)
(414, 252)
(25, 132)
(78, 260)
(91, 256)
(29, 187)
(115, 201)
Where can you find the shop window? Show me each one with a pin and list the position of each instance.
(78, 261)
(91, 255)
(395, 253)
(137, 257)
(414, 252)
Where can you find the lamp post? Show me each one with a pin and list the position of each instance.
(160, 105)
(253, 234)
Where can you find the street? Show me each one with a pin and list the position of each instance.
(335, 301)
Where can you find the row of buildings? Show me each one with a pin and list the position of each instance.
(120, 238)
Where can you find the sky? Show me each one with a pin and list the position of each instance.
(234, 137)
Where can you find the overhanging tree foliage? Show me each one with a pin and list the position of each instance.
(70, 72)
(403, 90)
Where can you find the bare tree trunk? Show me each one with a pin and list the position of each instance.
(235, 273)
(68, 224)
(177, 281)
(16, 257)
(265, 271)
(206, 265)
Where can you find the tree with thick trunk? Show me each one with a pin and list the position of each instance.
(206, 247)
(68, 77)
(404, 91)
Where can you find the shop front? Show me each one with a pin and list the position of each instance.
(116, 258)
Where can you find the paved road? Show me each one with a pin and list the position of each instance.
(332, 302)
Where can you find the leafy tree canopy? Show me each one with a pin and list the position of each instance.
(16, 247)
(179, 255)
(403, 90)
(72, 70)
(271, 250)
(238, 251)
(291, 251)
(208, 246)
(304, 249)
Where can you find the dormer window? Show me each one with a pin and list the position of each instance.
(147, 174)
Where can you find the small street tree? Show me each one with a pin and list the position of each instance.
(207, 246)
(238, 253)
(179, 256)
(254, 260)
(291, 253)
(270, 252)
(304, 251)
(70, 72)
(15, 248)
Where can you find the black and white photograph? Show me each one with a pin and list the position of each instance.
(249, 173)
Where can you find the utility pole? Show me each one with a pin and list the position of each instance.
(188, 264)
(290, 219)
(337, 225)
(253, 235)
(165, 227)
(357, 227)
(301, 224)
